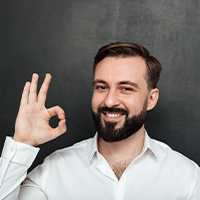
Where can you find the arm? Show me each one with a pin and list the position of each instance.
(31, 129)
(194, 192)
(15, 160)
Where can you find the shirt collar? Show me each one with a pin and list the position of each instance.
(93, 148)
(149, 144)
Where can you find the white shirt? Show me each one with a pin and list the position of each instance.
(81, 172)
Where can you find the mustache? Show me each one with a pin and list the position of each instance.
(115, 110)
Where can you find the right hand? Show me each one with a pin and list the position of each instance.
(32, 123)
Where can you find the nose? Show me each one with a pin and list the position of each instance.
(112, 99)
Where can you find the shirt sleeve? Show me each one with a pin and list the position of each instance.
(194, 193)
(15, 160)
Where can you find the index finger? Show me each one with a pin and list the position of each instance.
(33, 88)
(25, 93)
(44, 88)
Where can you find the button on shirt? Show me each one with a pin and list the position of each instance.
(81, 172)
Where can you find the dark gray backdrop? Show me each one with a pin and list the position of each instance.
(63, 36)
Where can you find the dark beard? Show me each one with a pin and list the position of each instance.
(131, 125)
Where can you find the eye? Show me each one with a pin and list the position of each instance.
(100, 87)
(126, 89)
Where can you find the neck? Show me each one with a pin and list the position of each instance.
(130, 147)
(120, 154)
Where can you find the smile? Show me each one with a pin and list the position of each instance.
(113, 115)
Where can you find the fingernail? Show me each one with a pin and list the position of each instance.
(62, 116)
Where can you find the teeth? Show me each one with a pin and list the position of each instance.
(113, 115)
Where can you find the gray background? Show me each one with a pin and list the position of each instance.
(63, 36)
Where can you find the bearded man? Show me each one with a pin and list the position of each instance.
(121, 161)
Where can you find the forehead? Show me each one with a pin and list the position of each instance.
(117, 69)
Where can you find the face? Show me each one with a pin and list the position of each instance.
(120, 97)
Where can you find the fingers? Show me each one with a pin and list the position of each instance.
(33, 89)
(43, 90)
(56, 110)
(60, 129)
(29, 94)
(25, 94)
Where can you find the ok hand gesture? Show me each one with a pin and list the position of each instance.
(32, 123)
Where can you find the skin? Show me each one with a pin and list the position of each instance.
(121, 83)
(32, 123)
(118, 82)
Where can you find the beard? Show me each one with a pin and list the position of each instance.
(109, 133)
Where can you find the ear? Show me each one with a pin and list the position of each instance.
(152, 98)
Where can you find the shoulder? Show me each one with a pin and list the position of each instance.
(182, 170)
(164, 151)
(174, 160)
(174, 169)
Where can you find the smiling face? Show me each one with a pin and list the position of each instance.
(121, 96)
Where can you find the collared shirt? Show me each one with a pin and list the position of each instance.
(81, 172)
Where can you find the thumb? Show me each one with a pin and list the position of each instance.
(59, 130)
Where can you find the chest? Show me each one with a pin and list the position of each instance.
(99, 181)
(119, 166)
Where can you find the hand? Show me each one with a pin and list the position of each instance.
(32, 123)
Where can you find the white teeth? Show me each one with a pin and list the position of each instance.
(113, 115)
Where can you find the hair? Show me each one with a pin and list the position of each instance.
(120, 49)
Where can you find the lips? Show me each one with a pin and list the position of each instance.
(112, 114)
(112, 117)
(112, 111)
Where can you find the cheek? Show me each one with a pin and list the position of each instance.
(96, 102)
(134, 106)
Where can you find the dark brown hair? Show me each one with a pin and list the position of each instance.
(120, 49)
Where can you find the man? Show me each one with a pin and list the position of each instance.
(120, 162)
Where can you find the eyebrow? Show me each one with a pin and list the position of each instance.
(120, 83)
(98, 81)
(129, 83)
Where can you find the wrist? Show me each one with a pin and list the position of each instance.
(24, 141)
